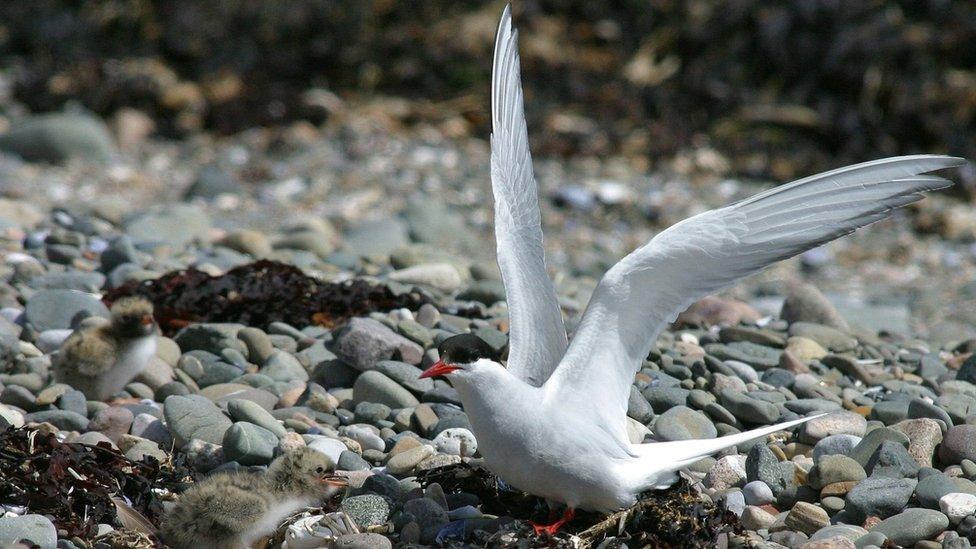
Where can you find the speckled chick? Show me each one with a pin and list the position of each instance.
(100, 358)
(233, 510)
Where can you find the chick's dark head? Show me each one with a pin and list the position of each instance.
(132, 317)
(305, 472)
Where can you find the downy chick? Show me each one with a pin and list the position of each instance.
(100, 358)
(233, 510)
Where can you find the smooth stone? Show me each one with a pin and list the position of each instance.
(176, 225)
(351, 461)
(848, 531)
(919, 408)
(405, 374)
(749, 410)
(872, 440)
(757, 356)
(957, 506)
(456, 441)
(406, 461)
(835, 445)
(924, 435)
(252, 412)
(195, 417)
(249, 444)
(364, 342)
(728, 472)
(366, 510)
(756, 518)
(762, 464)
(880, 496)
(36, 528)
(429, 514)
(58, 136)
(807, 518)
(372, 386)
(62, 419)
(55, 309)
(683, 423)
(805, 303)
(959, 444)
(833, 469)
(328, 446)
(283, 366)
(662, 399)
(912, 526)
(440, 276)
(365, 540)
(891, 459)
(834, 423)
(758, 492)
(831, 338)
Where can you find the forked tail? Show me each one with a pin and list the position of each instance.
(658, 462)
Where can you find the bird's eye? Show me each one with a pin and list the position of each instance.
(319, 469)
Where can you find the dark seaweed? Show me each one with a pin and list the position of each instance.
(259, 293)
(74, 483)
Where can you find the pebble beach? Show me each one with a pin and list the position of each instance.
(385, 226)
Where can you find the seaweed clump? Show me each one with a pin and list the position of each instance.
(259, 293)
(74, 483)
(676, 517)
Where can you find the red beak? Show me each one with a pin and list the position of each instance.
(440, 368)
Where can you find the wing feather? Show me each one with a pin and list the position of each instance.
(537, 336)
(703, 254)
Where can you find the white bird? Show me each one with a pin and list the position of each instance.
(553, 423)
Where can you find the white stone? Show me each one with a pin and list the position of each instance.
(328, 446)
(441, 276)
(957, 506)
(456, 441)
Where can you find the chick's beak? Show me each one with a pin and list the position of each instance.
(147, 320)
(440, 368)
(334, 479)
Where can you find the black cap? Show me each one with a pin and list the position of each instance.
(465, 349)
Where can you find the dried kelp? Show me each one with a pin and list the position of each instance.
(676, 517)
(259, 293)
(74, 483)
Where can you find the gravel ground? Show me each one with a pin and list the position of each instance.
(92, 209)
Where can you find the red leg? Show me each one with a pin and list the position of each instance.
(551, 529)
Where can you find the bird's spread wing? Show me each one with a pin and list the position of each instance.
(537, 336)
(647, 289)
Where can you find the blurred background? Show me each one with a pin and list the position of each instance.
(782, 88)
(639, 112)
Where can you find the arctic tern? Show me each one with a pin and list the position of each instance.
(553, 422)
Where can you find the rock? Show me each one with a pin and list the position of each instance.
(57, 137)
(959, 444)
(171, 224)
(805, 349)
(847, 531)
(807, 518)
(932, 487)
(211, 337)
(761, 464)
(871, 441)
(891, 459)
(364, 436)
(365, 341)
(912, 526)
(748, 409)
(662, 399)
(957, 506)
(377, 237)
(246, 241)
(373, 386)
(924, 435)
(195, 417)
(283, 366)
(834, 423)
(833, 542)
(62, 419)
(404, 462)
(328, 446)
(366, 510)
(456, 441)
(805, 303)
(112, 422)
(879, 496)
(362, 541)
(429, 515)
(683, 423)
(406, 375)
(756, 518)
(832, 469)
(440, 276)
(36, 528)
(920, 409)
(758, 492)
(831, 338)
(727, 472)
(716, 311)
(251, 412)
(834, 445)
(350, 461)
(488, 292)
(757, 356)
(55, 309)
